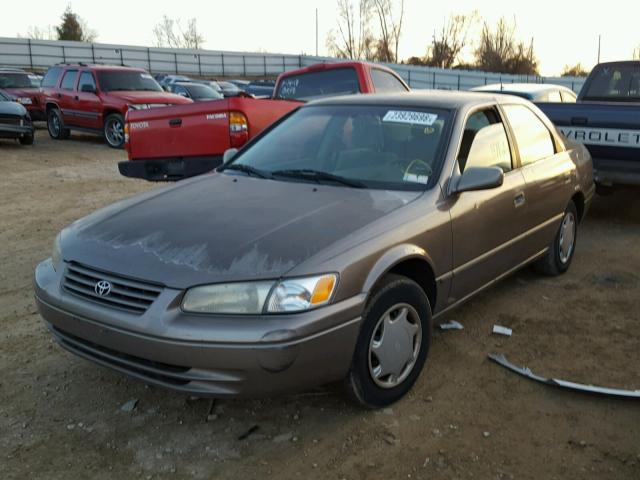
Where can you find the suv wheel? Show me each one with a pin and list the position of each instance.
(114, 130)
(393, 343)
(558, 258)
(55, 125)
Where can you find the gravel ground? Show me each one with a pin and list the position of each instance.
(61, 417)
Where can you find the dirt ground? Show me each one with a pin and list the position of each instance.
(61, 417)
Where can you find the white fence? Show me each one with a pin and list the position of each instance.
(41, 54)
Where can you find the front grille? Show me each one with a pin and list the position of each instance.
(10, 119)
(126, 294)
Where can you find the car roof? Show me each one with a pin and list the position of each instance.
(444, 99)
(519, 87)
(94, 66)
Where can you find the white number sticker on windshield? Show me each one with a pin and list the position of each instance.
(414, 118)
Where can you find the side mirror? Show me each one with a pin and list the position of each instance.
(480, 178)
(87, 88)
(228, 155)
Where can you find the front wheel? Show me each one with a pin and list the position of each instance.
(393, 343)
(560, 253)
(114, 130)
(55, 125)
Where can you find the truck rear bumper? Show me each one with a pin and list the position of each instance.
(608, 172)
(168, 170)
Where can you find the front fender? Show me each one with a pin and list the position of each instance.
(393, 257)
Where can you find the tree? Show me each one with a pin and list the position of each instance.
(40, 33)
(353, 38)
(498, 51)
(446, 47)
(169, 33)
(390, 20)
(576, 70)
(636, 53)
(73, 27)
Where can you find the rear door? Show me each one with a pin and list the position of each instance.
(487, 225)
(66, 97)
(548, 171)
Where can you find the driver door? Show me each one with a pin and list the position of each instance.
(486, 224)
(88, 103)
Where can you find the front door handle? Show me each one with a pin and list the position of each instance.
(519, 199)
(175, 122)
(76, 97)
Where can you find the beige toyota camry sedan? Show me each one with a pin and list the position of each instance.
(323, 250)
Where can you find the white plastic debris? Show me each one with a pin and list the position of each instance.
(500, 330)
(452, 325)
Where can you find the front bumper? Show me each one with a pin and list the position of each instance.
(15, 131)
(168, 169)
(36, 113)
(204, 355)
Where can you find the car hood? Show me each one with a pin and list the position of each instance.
(149, 97)
(23, 92)
(12, 108)
(223, 227)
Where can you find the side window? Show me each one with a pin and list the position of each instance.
(86, 78)
(385, 82)
(568, 97)
(484, 142)
(69, 80)
(532, 136)
(554, 96)
(51, 77)
(180, 90)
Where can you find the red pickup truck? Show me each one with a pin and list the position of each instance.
(182, 141)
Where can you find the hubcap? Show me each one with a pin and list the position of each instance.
(567, 237)
(394, 345)
(115, 132)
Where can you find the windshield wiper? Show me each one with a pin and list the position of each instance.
(248, 169)
(318, 176)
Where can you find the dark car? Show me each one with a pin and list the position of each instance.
(260, 88)
(195, 91)
(229, 89)
(323, 250)
(19, 84)
(15, 121)
(536, 92)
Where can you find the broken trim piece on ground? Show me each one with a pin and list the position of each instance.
(524, 371)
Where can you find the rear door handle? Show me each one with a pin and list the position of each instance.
(519, 200)
(175, 122)
(579, 120)
(76, 97)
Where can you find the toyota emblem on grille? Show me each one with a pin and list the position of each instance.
(103, 288)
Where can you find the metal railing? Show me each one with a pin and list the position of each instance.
(38, 55)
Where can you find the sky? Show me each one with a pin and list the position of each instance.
(563, 32)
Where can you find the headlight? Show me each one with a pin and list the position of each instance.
(56, 253)
(298, 294)
(253, 298)
(25, 100)
(238, 298)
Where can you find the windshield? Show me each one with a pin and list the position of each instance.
(381, 147)
(15, 80)
(615, 83)
(111, 81)
(307, 86)
(228, 86)
(203, 92)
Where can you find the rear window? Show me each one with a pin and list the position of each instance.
(15, 80)
(308, 86)
(615, 83)
(51, 77)
(127, 80)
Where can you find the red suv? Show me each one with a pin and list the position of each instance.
(95, 99)
(16, 82)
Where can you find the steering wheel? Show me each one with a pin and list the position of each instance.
(424, 168)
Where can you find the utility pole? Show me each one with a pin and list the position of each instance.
(599, 45)
(316, 32)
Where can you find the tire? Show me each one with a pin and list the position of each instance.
(558, 258)
(55, 125)
(367, 382)
(113, 130)
(26, 140)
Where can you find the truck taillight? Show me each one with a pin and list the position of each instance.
(238, 129)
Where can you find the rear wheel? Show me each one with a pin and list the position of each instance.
(55, 125)
(558, 258)
(114, 130)
(393, 343)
